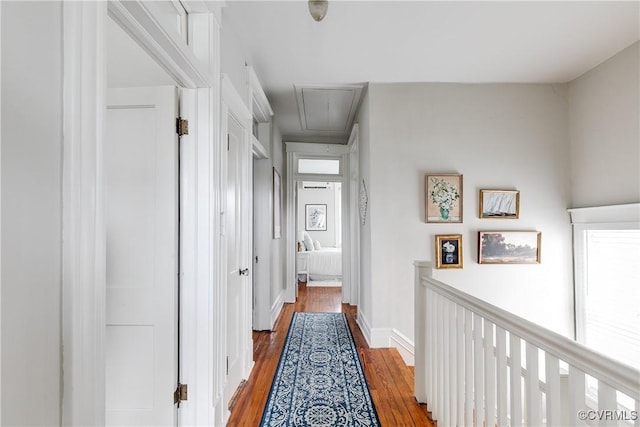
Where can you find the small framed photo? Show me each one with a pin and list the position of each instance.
(509, 247)
(449, 251)
(499, 204)
(316, 217)
(443, 198)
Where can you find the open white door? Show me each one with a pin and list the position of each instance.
(237, 268)
(141, 186)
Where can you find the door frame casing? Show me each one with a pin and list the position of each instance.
(295, 151)
(84, 242)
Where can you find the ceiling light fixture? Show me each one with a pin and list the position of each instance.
(318, 9)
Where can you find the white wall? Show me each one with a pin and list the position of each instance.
(504, 136)
(365, 309)
(128, 65)
(31, 212)
(318, 196)
(604, 118)
(268, 274)
(234, 58)
(278, 245)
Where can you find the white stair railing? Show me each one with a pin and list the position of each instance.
(479, 365)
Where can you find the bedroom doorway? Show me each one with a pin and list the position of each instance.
(317, 165)
(319, 233)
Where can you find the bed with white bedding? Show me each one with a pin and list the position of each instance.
(325, 264)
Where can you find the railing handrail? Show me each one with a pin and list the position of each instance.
(618, 375)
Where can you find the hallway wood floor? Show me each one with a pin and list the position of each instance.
(390, 380)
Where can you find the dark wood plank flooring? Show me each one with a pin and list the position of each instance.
(390, 380)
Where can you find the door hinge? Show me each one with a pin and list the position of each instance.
(228, 143)
(180, 394)
(227, 365)
(182, 126)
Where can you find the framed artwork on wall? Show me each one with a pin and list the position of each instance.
(443, 198)
(509, 247)
(499, 204)
(449, 251)
(277, 204)
(315, 217)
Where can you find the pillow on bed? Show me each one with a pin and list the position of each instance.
(316, 245)
(308, 243)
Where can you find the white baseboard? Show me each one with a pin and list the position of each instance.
(391, 337)
(364, 328)
(405, 346)
(276, 308)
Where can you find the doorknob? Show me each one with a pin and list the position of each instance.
(244, 271)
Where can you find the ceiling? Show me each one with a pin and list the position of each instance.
(416, 41)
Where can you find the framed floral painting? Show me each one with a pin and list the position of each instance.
(449, 251)
(443, 198)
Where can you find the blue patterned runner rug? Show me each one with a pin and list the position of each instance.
(319, 381)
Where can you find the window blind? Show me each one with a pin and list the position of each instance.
(612, 294)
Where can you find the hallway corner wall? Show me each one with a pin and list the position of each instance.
(604, 120)
(500, 136)
(31, 212)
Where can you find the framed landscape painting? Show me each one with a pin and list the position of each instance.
(499, 204)
(509, 247)
(449, 251)
(443, 198)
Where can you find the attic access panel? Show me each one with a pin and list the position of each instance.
(328, 108)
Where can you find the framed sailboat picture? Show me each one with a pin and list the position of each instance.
(503, 204)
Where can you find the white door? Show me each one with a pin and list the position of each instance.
(141, 180)
(237, 271)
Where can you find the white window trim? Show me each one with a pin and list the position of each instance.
(614, 217)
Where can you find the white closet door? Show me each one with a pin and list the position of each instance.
(141, 179)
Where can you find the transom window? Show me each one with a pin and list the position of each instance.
(319, 166)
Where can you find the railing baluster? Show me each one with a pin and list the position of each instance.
(489, 375)
(478, 371)
(468, 368)
(516, 380)
(446, 363)
(607, 401)
(469, 379)
(432, 349)
(501, 375)
(421, 323)
(532, 388)
(453, 364)
(577, 392)
(437, 398)
(552, 379)
(461, 365)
